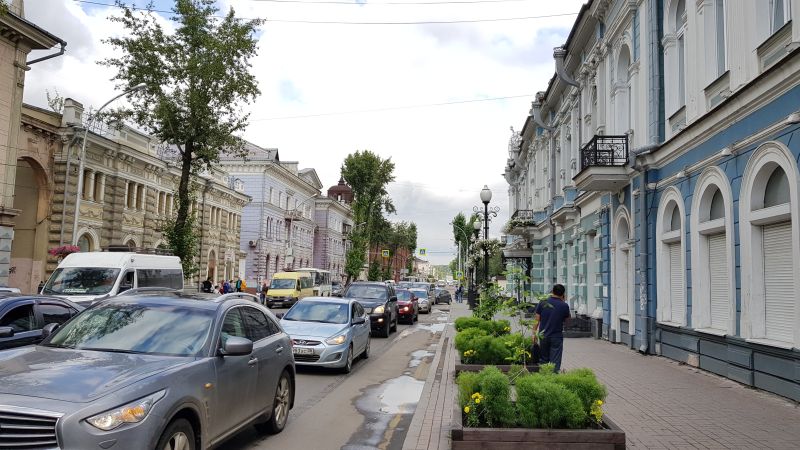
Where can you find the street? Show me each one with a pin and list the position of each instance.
(371, 408)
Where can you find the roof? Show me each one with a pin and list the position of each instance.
(114, 259)
(196, 300)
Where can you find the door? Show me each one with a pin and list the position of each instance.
(49, 311)
(360, 331)
(269, 353)
(21, 318)
(236, 380)
(779, 284)
(678, 302)
(720, 281)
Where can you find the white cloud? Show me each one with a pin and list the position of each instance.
(444, 155)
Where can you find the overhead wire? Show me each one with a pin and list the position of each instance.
(339, 22)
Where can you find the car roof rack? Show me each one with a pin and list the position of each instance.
(144, 290)
(140, 250)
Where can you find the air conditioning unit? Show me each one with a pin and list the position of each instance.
(252, 244)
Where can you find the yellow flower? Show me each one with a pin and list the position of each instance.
(477, 400)
(466, 409)
(599, 402)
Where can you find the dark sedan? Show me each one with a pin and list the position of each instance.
(442, 296)
(22, 317)
(379, 301)
(149, 371)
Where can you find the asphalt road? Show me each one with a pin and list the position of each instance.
(370, 408)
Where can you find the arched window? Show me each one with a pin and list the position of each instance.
(713, 286)
(623, 276)
(85, 242)
(622, 91)
(769, 242)
(670, 259)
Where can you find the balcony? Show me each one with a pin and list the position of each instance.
(604, 164)
(292, 214)
(519, 223)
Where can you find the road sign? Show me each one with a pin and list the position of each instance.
(423, 251)
(385, 253)
(459, 274)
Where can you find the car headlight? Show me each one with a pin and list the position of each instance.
(336, 340)
(378, 310)
(133, 412)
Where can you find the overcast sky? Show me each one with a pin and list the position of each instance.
(330, 89)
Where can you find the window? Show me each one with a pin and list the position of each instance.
(719, 35)
(671, 286)
(258, 325)
(168, 278)
(85, 242)
(778, 14)
(777, 190)
(680, 35)
(20, 319)
(233, 325)
(53, 313)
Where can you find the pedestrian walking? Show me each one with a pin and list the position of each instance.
(459, 293)
(264, 290)
(238, 284)
(226, 287)
(550, 317)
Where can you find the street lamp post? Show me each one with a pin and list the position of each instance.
(486, 197)
(79, 191)
(473, 276)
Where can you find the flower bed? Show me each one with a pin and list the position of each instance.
(489, 342)
(548, 410)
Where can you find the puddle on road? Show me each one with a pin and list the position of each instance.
(418, 356)
(390, 403)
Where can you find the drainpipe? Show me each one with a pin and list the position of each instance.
(261, 237)
(66, 186)
(643, 253)
(559, 53)
(536, 114)
(46, 57)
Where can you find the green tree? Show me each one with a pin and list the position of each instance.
(368, 175)
(196, 82)
(374, 273)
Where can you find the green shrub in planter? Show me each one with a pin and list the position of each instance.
(498, 411)
(519, 348)
(584, 384)
(462, 323)
(465, 338)
(468, 384)
(543, 403)
(493, 327)
(490, 350)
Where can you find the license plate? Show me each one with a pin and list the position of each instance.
(302, 351)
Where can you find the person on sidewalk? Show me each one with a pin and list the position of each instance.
(550, 317)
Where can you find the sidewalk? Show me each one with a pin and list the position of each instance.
(659, 403)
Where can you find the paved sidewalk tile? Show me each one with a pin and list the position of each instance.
(663, 404)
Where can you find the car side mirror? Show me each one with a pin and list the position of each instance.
(358, 321)
(49, 329)
(6, 332)
(237, 346)
(279, 315)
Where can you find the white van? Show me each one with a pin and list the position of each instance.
(88, 276)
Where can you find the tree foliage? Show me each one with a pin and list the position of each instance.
(368, 175)
(196, 80)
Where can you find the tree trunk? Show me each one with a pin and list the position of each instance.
(183, 186)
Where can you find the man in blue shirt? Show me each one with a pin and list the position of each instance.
(550, 317)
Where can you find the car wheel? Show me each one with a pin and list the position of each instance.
(394, 327)
(387, 328)
(179, 435)
(348, 365)
(365, 355)
(280, 407)
(269, 305)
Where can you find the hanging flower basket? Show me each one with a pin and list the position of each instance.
(64, 250)
(517, 223)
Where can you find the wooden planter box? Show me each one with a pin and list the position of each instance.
(611, 437)
(461, 367)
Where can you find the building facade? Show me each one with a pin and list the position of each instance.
(334, 222)
(127, 194)
(18, 37)
(656, 178)
(278, 225)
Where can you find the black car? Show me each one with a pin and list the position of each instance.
(443, 296)
(22, 317)
(380, 301)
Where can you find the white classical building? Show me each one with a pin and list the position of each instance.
(656, 176)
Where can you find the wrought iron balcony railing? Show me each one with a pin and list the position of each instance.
(523, 214)
(605, 151)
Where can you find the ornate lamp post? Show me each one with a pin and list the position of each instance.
(486, 197)
(473, 276)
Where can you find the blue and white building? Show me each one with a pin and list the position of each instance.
(656, 177)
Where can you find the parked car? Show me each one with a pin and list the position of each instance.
(161, 370)
(407, 306)
(86, 277)
(328, 332)
(22, 317)
(442, 296)
(287, 288)
(336, 288)
(423, 299)
(379, 301)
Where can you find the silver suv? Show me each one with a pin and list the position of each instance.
(155, 370)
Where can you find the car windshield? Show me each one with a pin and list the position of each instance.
(137, 328)
(403, 295)
(319, 312)
(422, 286)
(283, 284)
(81, 281)
(421, 293)
(366, 291)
